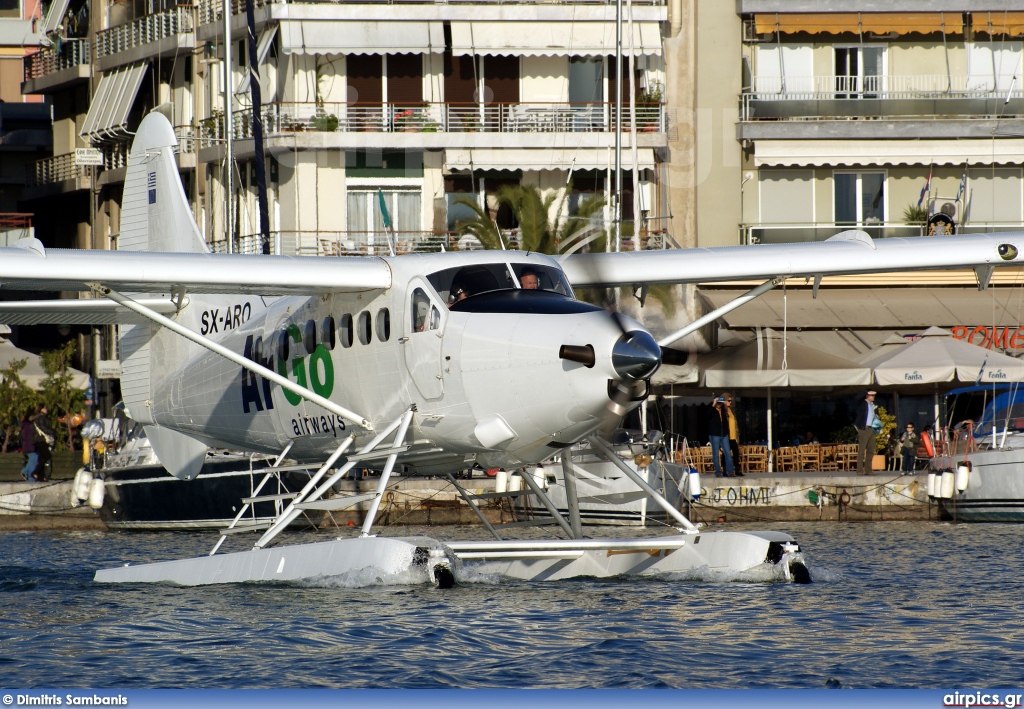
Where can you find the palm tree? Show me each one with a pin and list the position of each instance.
(537, 231)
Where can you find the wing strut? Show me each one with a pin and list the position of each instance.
(715, 314)
(608, 453)
(209, 344)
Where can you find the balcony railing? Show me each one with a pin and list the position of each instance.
(796, 233)
(143, 30)
(362, 243)
(72, 52)
(827, 96)
(210, 10)
(62, 167)
(438, 118)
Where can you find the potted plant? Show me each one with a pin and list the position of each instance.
(649, 107)
(915, 215)
(324, 122)
(409, 120)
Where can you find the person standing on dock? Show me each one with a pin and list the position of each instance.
(718, 432)
(28, 444)
(865, 433)
(44, 440)
(908, 447)
(734, 430)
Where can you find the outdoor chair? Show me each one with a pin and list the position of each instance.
(785, 459)
(829, 460)
(808, 456)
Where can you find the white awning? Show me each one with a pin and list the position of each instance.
(345, 37)
(540, 159)
(888, 152)
(112, 102)
(54, 16)
(552, 38)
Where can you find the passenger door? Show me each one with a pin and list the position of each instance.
(424, 329)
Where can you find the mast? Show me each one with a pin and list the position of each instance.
(617, 191)
(257, 130)
(229, 160)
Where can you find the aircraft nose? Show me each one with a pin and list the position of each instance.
(636, 355)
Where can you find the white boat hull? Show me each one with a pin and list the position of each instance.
(995, 489)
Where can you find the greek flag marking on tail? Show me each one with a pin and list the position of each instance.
(151, 184)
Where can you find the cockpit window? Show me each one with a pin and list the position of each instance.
(533, 277)
(457, 284)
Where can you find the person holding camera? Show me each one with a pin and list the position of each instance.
(908, 448)
(718, 432)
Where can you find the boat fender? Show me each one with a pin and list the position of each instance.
(97, 490)
(926, 441)
(946, 485)
(501, 481)
(963, 475)
(80, 487)
(694, 479)
(933, 484)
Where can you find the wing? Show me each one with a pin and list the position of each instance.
(78, 312)
(850, 252)
(31, 267)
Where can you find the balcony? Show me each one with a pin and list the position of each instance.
(800, 233)
(352, 243)
(15, 226)
(210, 10)
(453, 118)
(53, 68)
(159, 34)
(873, 97)
(62, 170)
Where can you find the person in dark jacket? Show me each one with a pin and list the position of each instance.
(41, 424)
(908, 448)
(866, 436)
(28, 444)
(718, 432)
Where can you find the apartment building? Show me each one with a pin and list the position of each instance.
(422, 102)
(892, 117)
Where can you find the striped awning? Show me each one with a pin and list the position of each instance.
(540, 159)
(860, 22)
(350, 37)
(108, 114)
(596, 39)
(820, 153)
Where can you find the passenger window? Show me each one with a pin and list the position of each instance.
(435, 317)
(327, 332)
(345, 330)
(420, 310)
(309, 337)
(282, 346)
(363, 328)
(383, 324)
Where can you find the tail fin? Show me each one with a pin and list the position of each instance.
(155, 216)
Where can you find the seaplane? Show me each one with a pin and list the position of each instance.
(420, 364)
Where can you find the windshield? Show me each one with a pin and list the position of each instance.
(462, 282)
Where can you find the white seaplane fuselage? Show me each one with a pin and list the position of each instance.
(485, 375)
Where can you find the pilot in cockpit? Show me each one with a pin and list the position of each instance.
(528, 280)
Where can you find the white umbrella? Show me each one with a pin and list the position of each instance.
(937, 357)
(33, 373)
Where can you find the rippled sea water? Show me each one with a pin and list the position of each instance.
(925, 605)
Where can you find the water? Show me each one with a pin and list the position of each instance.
(894, 605)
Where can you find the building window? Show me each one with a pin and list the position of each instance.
(10, 9)
(859, 198)
(859, 71)
(366, 222)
